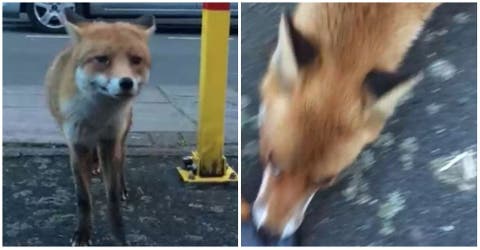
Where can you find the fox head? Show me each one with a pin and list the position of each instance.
(315, 118)
(111, 59)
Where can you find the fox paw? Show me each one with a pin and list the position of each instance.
(124, 195)
(81, 239)
(96, 170)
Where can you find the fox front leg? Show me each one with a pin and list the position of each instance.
(80, 160)
(110, 155)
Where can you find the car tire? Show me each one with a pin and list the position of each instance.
(52, 23)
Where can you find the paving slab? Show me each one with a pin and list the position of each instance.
(174, 139)
(30, 125)
(185, 99)
(27, 119)
(149, 117)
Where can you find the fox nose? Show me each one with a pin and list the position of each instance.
(126, 83)
(268, 237)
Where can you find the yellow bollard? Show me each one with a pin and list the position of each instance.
(207, 164)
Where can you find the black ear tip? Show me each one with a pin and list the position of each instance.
(145, 21)
(305, 52)
(68, 12)
(379, 83)
(287, 15)
(151, 19)
(72, 17)
(148, 18)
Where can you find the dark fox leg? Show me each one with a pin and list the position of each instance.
(110, 154)
(122, 163)
(124, 192)
(80, 161)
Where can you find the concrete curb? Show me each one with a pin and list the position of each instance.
(138, 144)
(20, 150)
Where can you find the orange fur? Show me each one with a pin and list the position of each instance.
(90, 88)
(245, 210)
(319, 117)
(121, 38)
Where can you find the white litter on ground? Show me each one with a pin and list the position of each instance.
(459, 169)
(447, 228)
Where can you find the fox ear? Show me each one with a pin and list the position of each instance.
(293, 51)
(71, 21)
(147, 22)
(389, 88)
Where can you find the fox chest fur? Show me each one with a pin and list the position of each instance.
(88, 119)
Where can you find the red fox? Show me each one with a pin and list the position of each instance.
(90, 89)
(318, 109)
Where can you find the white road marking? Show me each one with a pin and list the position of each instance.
(183, 38)
(188, 38)
(15, 25)
(46, 36)
(66, 36)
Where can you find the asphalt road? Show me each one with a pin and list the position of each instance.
(175, 55)
(39, 205)
(400, 191)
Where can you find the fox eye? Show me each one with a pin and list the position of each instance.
(275, 170)
(273, 166)
(102, 59)
(136, 60)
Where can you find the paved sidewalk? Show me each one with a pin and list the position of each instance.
(163, 116)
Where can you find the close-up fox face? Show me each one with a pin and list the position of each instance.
(314, 120)
(111, 59)
(305, 142)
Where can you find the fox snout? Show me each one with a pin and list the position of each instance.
(279, 208)
(126, 83)
(273, 226)
(112, 86)
(124, 86)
